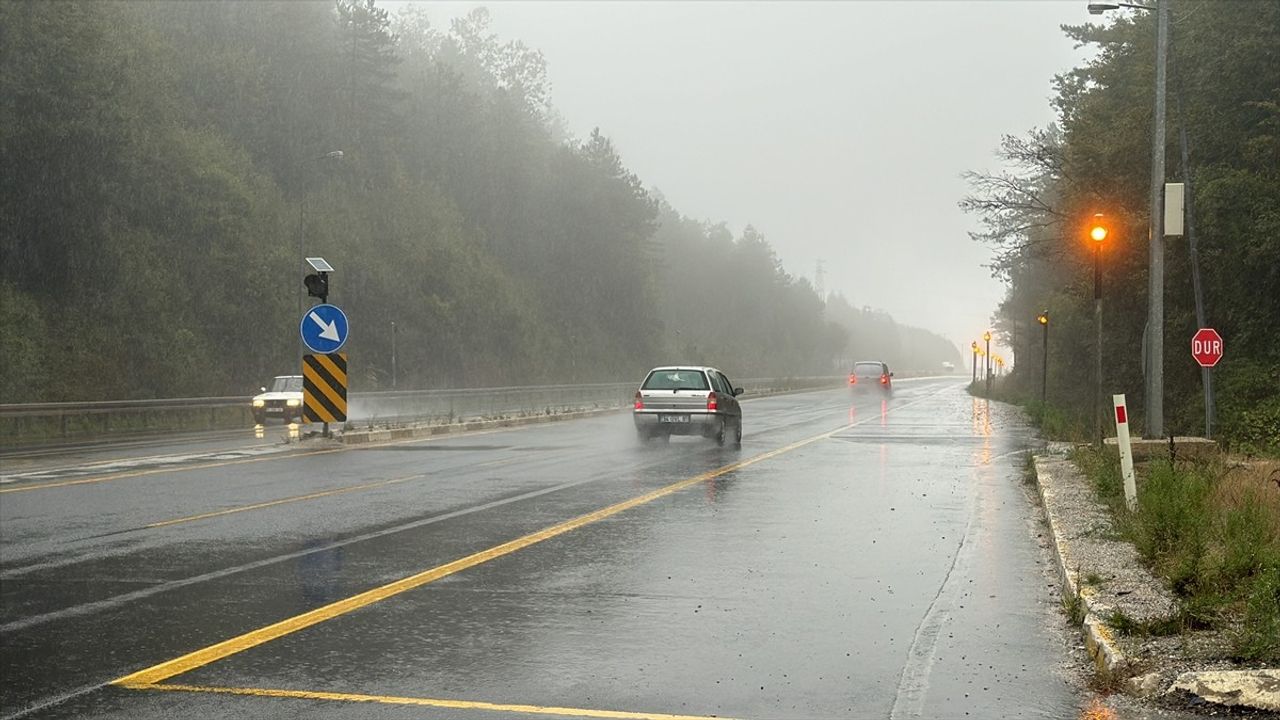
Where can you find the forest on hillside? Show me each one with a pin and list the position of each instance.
(1224, 143)
(168, 165)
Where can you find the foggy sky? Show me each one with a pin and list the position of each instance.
(838, 129)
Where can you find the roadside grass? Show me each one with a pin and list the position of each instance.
(1211, 529)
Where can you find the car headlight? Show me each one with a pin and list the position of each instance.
(259, 403)
(293, 403)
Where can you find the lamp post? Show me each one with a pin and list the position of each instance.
(974, 347)
(1155, 302)
(987, 336)
(1043, 317)
(1097, 233)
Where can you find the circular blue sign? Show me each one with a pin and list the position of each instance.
(324, 328)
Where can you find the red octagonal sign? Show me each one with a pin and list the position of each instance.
(1206, 347)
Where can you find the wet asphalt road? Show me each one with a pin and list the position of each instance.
(857, 557)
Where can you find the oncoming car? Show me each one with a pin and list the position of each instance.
(871, 375)
(283, 400)
(688, 401)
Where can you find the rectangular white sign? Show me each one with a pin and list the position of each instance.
(1174, 209)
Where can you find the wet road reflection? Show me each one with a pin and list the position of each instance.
(845, 563)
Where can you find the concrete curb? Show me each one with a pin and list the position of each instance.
(1098, 636)
(360, 437)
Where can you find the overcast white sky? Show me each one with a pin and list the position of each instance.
(838, 129)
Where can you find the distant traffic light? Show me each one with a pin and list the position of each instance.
(317, 286)
(1098, 228)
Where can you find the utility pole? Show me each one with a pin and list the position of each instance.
(1202, 320)
(1155, 302)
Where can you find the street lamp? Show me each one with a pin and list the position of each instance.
(987, 336)
(974, 346)
(1043, 317)
(1099, 8)
(1155, 239)
(1098, 234)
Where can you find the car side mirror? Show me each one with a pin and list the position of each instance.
(737, 392)
(890, 374)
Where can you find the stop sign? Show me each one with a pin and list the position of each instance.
(1206, 347)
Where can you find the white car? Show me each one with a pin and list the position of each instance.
(688, 400)
(283, 400)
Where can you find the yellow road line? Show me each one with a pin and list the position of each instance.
(428, 702)
(254, 638)
(282, 501)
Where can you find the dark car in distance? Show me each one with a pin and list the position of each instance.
(871, 375)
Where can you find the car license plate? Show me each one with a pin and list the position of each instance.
(673, 418)
(275, 410)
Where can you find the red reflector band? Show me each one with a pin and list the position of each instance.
(1122, 417)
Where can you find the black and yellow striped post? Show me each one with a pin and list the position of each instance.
(324, 388)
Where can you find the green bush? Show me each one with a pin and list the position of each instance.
(1259, 636)
(1249, 411)
(1247, 550)
(1172, 526)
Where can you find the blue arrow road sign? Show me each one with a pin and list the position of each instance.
(324, 328)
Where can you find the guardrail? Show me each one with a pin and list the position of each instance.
(34, 423)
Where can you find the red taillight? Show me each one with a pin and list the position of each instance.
(712, 402)
(884, 379)
(853, 379)
(639, 401)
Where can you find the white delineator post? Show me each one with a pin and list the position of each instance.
(1126, 452)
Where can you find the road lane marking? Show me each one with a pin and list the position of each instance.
(283, 455)
(254, 638)
(157, 471)
(283, 501)
(226, 648)
(428, 702)
(120, 600)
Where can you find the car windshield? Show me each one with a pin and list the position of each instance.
(868, 369)
(292, 383)
(676, 380)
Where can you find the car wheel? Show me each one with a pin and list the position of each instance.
(737, 433)
(720, 434)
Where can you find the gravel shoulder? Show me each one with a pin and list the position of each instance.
(1108, 590)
